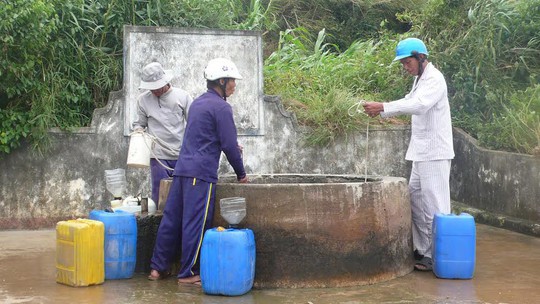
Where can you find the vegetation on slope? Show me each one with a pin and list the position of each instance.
(61, 58)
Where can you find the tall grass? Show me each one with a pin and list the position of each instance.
(490, 52)
(61, 58)
(517, 127)
(345, 21)
(320, 84)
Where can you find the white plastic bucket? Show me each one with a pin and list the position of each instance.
(139, 151)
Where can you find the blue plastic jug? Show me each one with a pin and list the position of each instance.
(454, 246)
(120, 246)
(228, 261)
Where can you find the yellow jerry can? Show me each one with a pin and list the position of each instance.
(79, 252)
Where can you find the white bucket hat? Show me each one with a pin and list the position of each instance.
(154, 77)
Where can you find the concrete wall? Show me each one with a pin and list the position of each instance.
(68, 181)
(186, 52)
(497, 182)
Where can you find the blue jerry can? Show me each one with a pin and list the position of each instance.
(454, 246)
(120, 242)
(228, 261)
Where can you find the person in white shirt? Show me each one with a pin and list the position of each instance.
(431, 146)
(162, 110)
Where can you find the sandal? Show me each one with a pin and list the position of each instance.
(156, 275)
(417, 255)
(424, 264)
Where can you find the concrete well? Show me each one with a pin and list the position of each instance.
(325, 230)
(315, 230)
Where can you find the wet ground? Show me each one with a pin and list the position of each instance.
(507, 271)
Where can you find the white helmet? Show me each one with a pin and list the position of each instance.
(221, 68)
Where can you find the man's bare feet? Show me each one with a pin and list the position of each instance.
(194, 280)
(156, 275)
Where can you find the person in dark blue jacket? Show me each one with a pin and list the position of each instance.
(189, 209)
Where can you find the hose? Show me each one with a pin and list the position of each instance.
(358, 109)
(156, 140)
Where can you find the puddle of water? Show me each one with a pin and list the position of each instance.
(507, 271)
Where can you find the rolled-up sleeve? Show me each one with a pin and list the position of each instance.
(142, 117)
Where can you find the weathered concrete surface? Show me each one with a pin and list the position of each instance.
(507, 267)
(319, 230)
(68, 180)
(186, 52)
(147, 228)
(498, 220)
(324, 230)
(497, 182)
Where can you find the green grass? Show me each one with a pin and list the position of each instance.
(320, 84)
(489, 51)
(62, 58)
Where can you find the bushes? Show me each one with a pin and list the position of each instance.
(61, 58)
(489, 52)
(26, 27)
(517, 126)
(345, 21)
(14, 126)
(321, 84)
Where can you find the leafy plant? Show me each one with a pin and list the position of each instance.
(345, 21)
(489, 50)
(61, 58)
(14, 127)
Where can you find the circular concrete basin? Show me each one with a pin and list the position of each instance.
(324, 230)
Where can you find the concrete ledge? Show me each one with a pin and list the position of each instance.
(315, 230)
(32, 223)
(498, 220)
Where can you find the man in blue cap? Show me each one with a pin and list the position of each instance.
(431, 146)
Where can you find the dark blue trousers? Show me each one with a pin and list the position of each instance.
(188, 214)
(157, 173)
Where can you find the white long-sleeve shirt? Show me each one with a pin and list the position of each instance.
(427, 102)
(164, 117)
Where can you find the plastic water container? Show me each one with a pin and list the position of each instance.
(79, 252)
(228, 261)
(454, 246)
(140, 148)
(233, 209)
(120, 245)
(115, 180)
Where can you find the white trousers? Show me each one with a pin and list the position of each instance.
(429, 187)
